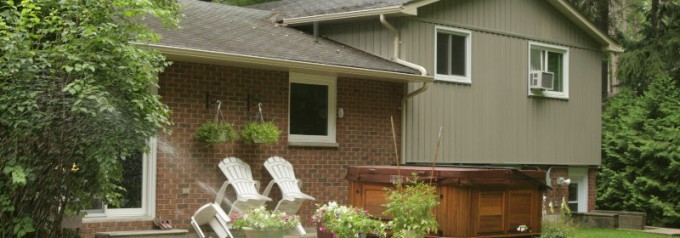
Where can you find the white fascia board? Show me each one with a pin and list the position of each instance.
(409, 9)
(283, 64)
(343, 15)
(608, 44)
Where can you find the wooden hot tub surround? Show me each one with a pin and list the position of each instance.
(474, 202)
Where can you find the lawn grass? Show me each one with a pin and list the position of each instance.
(612, 233)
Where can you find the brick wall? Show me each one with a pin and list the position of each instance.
(558, 191)
(364, 135)
(555, 195)
(592, 189)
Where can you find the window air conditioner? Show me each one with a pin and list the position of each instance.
(541, 80)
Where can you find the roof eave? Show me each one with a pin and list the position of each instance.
(608, 44)
(409, 9)
(179, 53)
(343, 15)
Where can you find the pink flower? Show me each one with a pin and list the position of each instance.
(322, 228)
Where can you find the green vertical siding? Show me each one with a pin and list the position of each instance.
(492, 120)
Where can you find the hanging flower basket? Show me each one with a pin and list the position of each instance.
(260, 133)
(215, 132)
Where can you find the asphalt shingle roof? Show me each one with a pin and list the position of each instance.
(303, 8)
(244, 31)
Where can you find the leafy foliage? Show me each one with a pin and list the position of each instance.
(75, 99)
(562, 228)
(346, 221)
(264, 133)
(262, 219)
(215, 133)
(411, 207)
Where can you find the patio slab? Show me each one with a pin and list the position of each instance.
(662, 231)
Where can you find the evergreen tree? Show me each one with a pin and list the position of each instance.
(641, 125)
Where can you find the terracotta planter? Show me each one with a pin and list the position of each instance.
(252, 233)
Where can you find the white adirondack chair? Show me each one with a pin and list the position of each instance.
(213, 215)
(283, 175)
(240, 177)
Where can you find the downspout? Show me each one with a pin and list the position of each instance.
(397, 40)
(423, 72)
(395, 57)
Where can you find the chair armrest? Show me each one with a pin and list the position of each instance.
(220, 194)
(268, 188)
(197, 228)
(257, 185)
(299, 183)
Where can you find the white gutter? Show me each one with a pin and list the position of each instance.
(410, 9)
(344, 15)
(179, 53)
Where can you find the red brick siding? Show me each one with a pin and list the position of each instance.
(555, 195)
(558, 191)
(592, 189)
(364, 135)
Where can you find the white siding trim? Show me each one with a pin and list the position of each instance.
(467, 78)
(329, 81)
(580, 176)
(565, 75)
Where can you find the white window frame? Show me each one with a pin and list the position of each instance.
(565, 66)
(579, 176)
(314, 140)
(467, 78)
(148, 208)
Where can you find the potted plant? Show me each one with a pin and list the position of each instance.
(260, 133)
(334, 221)
(411, 208)
(215, 132)
(261, 223)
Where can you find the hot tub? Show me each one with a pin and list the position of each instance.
(474, 201)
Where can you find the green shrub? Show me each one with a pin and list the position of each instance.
(411, 207)
(559, 229)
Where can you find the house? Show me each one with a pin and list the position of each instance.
(462, 65)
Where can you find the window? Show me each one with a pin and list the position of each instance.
(139, 181)
(453, 54)
(578, 189)
(553, 59)
(573, 197)
(312, 109)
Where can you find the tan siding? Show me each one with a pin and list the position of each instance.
(369, 36)
(534, 19)
(493, 121)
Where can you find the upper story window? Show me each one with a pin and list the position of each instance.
(555, 61)
(312, 110)
(453, 54)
